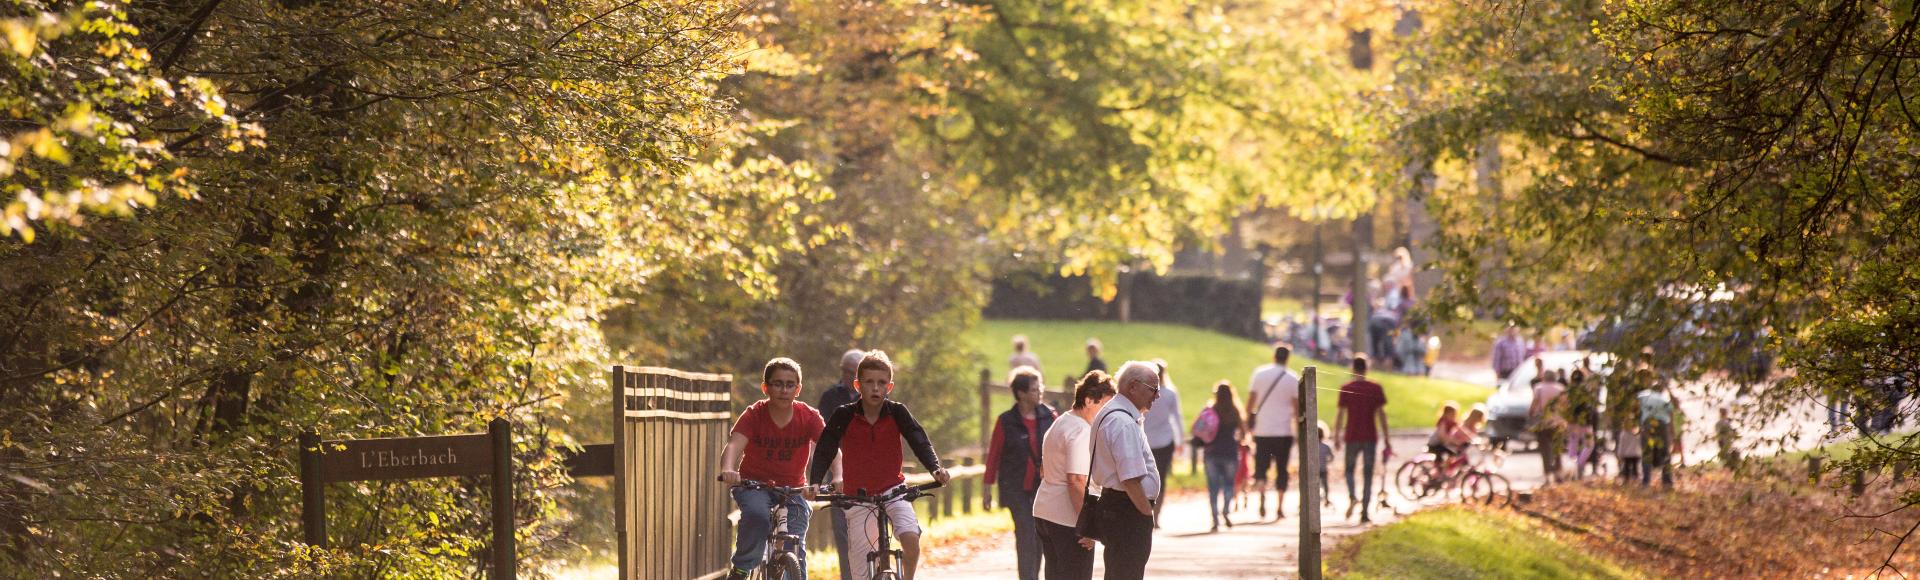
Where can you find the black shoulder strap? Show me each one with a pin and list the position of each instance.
(1270, 387)
(1093, 446)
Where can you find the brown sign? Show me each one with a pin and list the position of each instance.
(406, 457)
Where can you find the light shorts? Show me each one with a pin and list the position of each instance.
(863, 533)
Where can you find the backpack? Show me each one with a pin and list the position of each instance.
(1207, 425)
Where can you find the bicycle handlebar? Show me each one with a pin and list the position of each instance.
(907, 493)
(753, 484)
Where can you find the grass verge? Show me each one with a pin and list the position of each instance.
(1463, 542)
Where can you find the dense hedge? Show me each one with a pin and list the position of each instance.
(1225, 305)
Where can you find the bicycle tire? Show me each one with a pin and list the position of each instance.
(1474, 488)
(1500, 490)
(783, 566)
(1410, 481)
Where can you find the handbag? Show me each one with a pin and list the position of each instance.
(1088, 524)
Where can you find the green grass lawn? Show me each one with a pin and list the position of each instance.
(1456, 542)
(1196, 359)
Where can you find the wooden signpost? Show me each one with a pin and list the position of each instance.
(333, 461)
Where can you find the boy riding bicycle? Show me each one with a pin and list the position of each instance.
(868, 432)
(770, 444)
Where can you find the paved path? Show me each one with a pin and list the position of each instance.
(1183, 548)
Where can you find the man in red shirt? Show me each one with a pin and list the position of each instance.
(869, 432)
(1364, 402)
(771, 443)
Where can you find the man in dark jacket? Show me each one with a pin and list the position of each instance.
(1013, 462)
(840, 395)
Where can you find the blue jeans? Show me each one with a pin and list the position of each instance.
(1220, 484)
(1026, 534)
(1365, 449)
(756, 525)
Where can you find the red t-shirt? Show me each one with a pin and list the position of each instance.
(1362, 399)
(778, 455)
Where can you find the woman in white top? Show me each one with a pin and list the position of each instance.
(1065, 459)
(1400, 274)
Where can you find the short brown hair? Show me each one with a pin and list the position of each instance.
(778, 363)
(1360, 364)
(1023, 379)
(875, 360)
(1093, 386)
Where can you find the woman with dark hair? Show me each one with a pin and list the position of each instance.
(1014, 460)
(1219, 431)
(1066, 458)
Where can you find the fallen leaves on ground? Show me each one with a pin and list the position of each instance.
(1713, 525)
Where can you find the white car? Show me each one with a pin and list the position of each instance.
(1507, 407)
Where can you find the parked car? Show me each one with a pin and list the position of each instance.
(1507, 407)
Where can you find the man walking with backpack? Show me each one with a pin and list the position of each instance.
(1273, 407)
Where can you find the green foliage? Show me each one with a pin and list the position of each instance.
(443, 201)
(1718, 175)
(79, 100)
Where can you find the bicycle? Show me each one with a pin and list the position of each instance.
(778, 561)
(883, 555)
(1425, 477)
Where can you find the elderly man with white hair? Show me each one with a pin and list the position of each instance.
(1124, 470)
(840, 395)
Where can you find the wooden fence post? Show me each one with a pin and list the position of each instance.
(1309, 475)
(501, 431)
(986, 407)
(313, 493)
(946, 505)
(966, 488)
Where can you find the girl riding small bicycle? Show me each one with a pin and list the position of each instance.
(1451, 436)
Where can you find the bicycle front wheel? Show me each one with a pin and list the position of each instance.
(783, 566)
(1411, 481)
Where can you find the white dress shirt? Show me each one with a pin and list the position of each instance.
(1121, 453)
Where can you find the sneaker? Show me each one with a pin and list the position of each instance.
(1352, 505)
(1364, 520)
(1223, 517)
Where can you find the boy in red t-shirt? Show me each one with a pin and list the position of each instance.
(771, 443)
(1362, 402)
(869, 431)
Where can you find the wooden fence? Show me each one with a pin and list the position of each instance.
(670, 428)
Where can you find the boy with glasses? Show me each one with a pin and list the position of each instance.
(771, 443)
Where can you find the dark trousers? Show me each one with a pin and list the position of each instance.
(1363, 451)
(1129, 536)
(1659, 453)
(1063, 556)
(1026, 538)
(1162, 461)
(1275, 451)
(840, 541)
